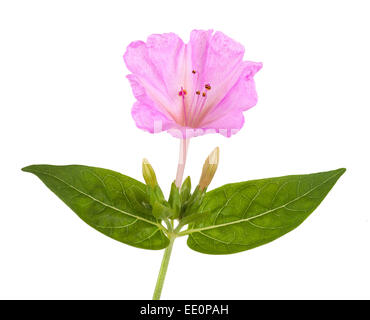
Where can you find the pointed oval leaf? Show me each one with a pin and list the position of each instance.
(245, 215)
(110, 202)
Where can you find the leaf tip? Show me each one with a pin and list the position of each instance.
(27, 169)
(342, 170)
(33, 168)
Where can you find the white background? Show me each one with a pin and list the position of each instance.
(64, 99)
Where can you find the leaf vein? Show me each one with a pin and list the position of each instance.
(102, 203)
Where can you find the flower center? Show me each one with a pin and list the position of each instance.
(192, 109)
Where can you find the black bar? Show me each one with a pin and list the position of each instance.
(182, 309)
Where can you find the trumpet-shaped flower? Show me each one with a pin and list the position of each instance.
(190, 89)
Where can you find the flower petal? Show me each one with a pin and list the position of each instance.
(240, 97)
(167, 53)
(138, 90)
(148, 118)
(198, 45)
(228, 125)
(219, 60)
(167, 75)
(146, 76)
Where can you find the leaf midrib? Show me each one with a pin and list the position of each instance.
(187, 232)
(103, 203)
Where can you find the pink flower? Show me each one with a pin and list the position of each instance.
(190, 89)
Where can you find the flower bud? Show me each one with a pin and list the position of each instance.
(209, 169)
(149, 174)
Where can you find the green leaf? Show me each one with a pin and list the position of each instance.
(245, 215)
(110, 202)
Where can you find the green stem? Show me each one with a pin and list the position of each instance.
(163, 270)
(184, 145)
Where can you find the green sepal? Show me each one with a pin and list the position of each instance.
(194, 202)
(161, 211)
(174, 201)
(155, 195)
(185, 190)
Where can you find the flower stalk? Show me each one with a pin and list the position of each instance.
(184, 146)
(184, 197)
